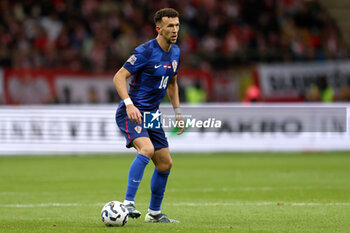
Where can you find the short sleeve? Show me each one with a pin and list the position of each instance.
(135, 62)
(177, 67)
(177, 61)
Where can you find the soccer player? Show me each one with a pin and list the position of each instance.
(153, 67)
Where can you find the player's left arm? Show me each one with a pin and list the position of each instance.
(173, 94)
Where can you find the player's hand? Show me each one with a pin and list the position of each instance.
(180, 124)
(134, 114)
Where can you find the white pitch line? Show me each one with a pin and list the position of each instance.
(40, 205)
(248, 189)
(261, 204)
(222, 189)
(194, 204)
(26, 193)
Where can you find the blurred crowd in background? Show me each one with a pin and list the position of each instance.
(220, 37)
(98, 35)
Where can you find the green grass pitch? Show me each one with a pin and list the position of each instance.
(240, 192)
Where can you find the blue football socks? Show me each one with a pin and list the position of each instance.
(136, 171)
(158, 183)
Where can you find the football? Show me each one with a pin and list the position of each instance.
(114, 213)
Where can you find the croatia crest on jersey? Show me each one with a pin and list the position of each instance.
(138, 129)
(174, 63)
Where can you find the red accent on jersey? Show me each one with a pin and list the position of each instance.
(135, 76)
(127, 130)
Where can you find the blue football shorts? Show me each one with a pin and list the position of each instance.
(131, 131)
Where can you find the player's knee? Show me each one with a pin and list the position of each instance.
(147, 151)
(164, 167)
(169, 165)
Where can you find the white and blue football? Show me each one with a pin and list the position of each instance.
(114, 213)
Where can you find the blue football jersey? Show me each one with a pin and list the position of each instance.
(152, 68)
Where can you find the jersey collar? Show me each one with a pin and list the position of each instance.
(155, 42)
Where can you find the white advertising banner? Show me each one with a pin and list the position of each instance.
(85, 88)
(59, 129)
(290, 80)
(2, 87)
(67, 129)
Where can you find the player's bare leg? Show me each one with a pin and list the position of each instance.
(144, 146)
(162, 160)
(145, 151)
(163, 163)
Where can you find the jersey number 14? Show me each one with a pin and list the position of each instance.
(163, 82)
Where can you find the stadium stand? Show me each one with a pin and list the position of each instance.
(99, 35)
(339, 9)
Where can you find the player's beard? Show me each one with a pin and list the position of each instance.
(172, 41)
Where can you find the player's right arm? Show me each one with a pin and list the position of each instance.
(119, 81)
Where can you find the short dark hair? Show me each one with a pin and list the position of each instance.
(165, 12)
